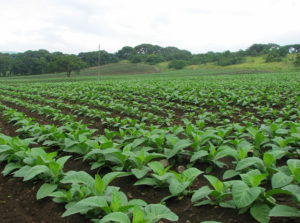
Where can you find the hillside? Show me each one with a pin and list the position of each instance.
(257, 64)
(109, 69)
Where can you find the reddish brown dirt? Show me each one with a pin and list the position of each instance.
(6, 128)
(18, 204)
(18, 199)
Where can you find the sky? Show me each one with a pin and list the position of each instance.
(73, 26)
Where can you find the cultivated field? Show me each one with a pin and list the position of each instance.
(161, 148)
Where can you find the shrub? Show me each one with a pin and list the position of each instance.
(177, 64)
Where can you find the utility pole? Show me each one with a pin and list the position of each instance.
(99, 63)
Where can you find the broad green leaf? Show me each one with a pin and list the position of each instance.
(247, 162)
(294, 190)
(226, 151)
(191, 173)
(138, 216)
(151, 156)
(137, 142)
(22, 172)
(294, 166)
(269, 159)
(10, 167)
(163, 177)
(281, 131)
(284, 211)
(39, 152)
(55, 168)
(69, 142)
(198, 155)
(78, 177)
(201, 193)
(117, 201)
(139, 173)
(253, 178)
(243, 195)
(107, 178)
(34, 171)
(210, 222)
(137, 202)
(157, 167)
(177, 187)
(280, 179)
(205, 202)
(5, 148)
(86, 204)
(230, 174)
(260, 212)
(276, 191)
(62, 160)
(45, 190)
(227, 204)
(99, 185)
(180, 145)
(115, 217)
(215, 182)
(155, 212)
(243, 148)
(146, 181)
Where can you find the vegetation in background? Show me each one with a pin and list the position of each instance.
(41, 61)
(66, 63)
(177, 64)
(297, 60)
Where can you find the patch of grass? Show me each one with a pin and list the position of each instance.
(254, 64)
(163, 66)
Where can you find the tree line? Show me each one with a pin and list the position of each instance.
(42, 61)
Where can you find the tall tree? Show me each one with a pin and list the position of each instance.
(66, 63)
(126, 53)
(147, 49)
(297, 60)
(5, 63)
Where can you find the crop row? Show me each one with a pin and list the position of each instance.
(235, 103)
(210, 153)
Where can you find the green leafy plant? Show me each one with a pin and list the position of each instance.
(218, 195)
(102, 205)
(149, 214)
(287, 174)
(81, 185)
(139, 159)
(180, 182)
(160, 175)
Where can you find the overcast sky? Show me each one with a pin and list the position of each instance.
(73, 26)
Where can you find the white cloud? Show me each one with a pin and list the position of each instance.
(197, 25)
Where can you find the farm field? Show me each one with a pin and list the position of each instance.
(151, 148)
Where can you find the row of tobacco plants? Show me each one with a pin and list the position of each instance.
(247, 126)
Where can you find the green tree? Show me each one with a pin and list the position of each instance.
(260, 49)
(5, 62)
(147, 49)
(18, 65)
(297, 60)
(126, 53)
(276, 54)
(177, 64)
(154, 59)
(66, 63)
(91, 58)
(229, 58)
(139, 58)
